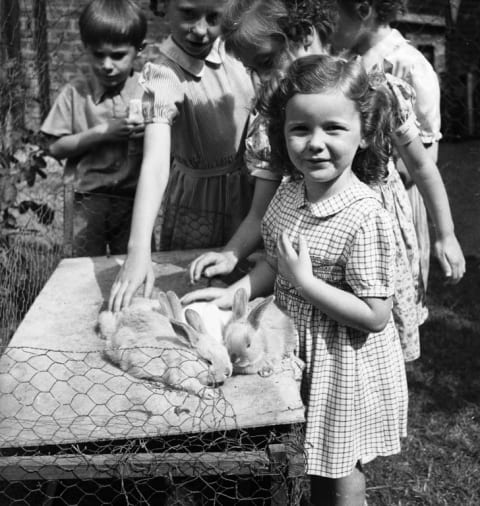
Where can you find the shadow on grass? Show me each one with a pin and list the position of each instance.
(440, 460)
(447, 373)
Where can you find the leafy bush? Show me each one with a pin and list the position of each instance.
(25, 262)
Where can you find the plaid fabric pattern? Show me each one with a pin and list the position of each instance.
(355, 385)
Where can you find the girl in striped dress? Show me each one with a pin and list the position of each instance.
(330, 256)
(196, 105)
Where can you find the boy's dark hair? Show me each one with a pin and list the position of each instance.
(385, 10)
(325, 73)
(113, 22)
(246, 23)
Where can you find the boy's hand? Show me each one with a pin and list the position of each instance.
(296, 267)
(137, 130)
(120, 129)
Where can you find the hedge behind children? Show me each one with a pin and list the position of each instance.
(91, 128)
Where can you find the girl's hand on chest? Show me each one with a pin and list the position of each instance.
(296, 266)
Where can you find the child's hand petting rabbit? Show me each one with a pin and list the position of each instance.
(259, 340)
(156, 340)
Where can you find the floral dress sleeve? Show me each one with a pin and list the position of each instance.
(407, 125)
(257, 150)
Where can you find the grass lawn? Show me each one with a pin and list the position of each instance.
(440, 461)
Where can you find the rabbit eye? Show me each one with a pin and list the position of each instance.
(248, 345)
(209, 362)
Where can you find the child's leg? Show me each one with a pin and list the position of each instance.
(346, 491)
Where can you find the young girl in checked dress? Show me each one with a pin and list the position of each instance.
(330, 254)
(196, 105)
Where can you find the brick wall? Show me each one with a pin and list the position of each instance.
(65, 51)
(424, 26)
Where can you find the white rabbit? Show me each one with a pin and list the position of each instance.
(151, 343)
(214, 318)
(259, 340)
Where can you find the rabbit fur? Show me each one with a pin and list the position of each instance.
(259, 340)
(214, 318)
(154, 340)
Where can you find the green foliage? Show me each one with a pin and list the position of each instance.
(23, 161)
(25, 263)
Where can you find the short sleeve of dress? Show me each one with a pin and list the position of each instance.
(370, 269)
(162, 93)
(257, 150)
(404, 95)
(427, 106)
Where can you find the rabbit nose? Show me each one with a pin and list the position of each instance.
(228, 372)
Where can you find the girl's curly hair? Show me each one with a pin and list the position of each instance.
(246, 23)
(324, 73)
(385, 10)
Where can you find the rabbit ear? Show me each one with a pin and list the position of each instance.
(256, 313)
(185, 333)
(239, 308)
(195, 320)
(165, 308)
(175, 305)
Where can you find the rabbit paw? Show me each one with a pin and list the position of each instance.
(266, 370)
(209, 393)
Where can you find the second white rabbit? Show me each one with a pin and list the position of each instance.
(258, 340)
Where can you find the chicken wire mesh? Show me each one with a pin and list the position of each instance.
(82, 448)
(76, 430)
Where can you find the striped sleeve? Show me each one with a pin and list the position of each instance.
(162, 95)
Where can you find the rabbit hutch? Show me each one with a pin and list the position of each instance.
(76, 429)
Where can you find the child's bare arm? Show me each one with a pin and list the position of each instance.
(425, 174)
(259, 281)
(152, 183)
(70, 146)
